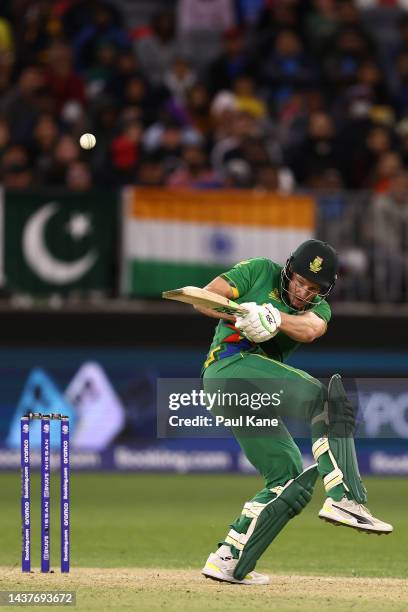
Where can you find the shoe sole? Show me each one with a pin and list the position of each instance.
(218, 579)
(360, 529)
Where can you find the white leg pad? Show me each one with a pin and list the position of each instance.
(335, 477)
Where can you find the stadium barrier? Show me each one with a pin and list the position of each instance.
(139, 242)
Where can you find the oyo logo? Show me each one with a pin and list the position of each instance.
(65, 429)
(25, 428)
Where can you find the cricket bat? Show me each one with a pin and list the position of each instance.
(208, 299)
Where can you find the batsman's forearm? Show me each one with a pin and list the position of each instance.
(300, 327)
(213, 314)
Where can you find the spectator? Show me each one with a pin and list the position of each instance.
(224, 109)
(76, 16)
(348, 13)
(254, 150)
(266, 178)
(101, 72)
(138, 94)
(103, 31)
(15, 169)
(66, 151)
(151, 172)
(287, 69)
(249, 11)
(74, 118)
(105, 116)
(197, 15)
(197, 108)
(158, 49)
(194, 171)
(7, 62)
(388, 166)
(32, 32)
(370, 76)
(235, 143)
(169, 147)
(166, 138)
(388, 217)
(275, 17)
(321, 24)
(363, 159)
(21, 104)
(125, 152)
(341, 63)
(293, 116)
(403, 33)
(331, 188)
(6, 36)
(78, 177)
(238, 175)
(232, 62)
(4, 135)
(246, 98)
(45, 134)
(179, 79)
(301, 81)
(200, 26)
(126, 66)
(318, 152)
(402, 132)
(401, 94)
(272, 178)
(392, 47)
(61, 79)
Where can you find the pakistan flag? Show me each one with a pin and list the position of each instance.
(55, 243)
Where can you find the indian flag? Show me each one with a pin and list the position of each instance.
(174, 238)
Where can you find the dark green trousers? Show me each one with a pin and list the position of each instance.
(276, 456)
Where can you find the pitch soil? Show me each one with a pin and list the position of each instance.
(152, 589)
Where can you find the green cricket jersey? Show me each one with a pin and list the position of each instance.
(256, 280)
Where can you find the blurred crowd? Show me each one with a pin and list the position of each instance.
(280, 95)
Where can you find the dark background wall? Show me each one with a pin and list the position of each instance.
(47, 328)
(360, 346)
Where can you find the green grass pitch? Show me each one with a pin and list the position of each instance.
(154, 532)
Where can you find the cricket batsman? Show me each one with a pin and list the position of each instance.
(286, 306)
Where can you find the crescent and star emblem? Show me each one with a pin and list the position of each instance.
(41, 261)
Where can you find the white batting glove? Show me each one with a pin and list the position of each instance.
(261, 323)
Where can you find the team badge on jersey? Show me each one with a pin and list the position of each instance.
(274, 295)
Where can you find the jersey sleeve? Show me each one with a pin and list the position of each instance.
(323, 311)
(241, 277)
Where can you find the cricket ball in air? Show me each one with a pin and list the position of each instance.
(87, 141)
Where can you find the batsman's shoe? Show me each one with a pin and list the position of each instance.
(222, 568)
(351, 514)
